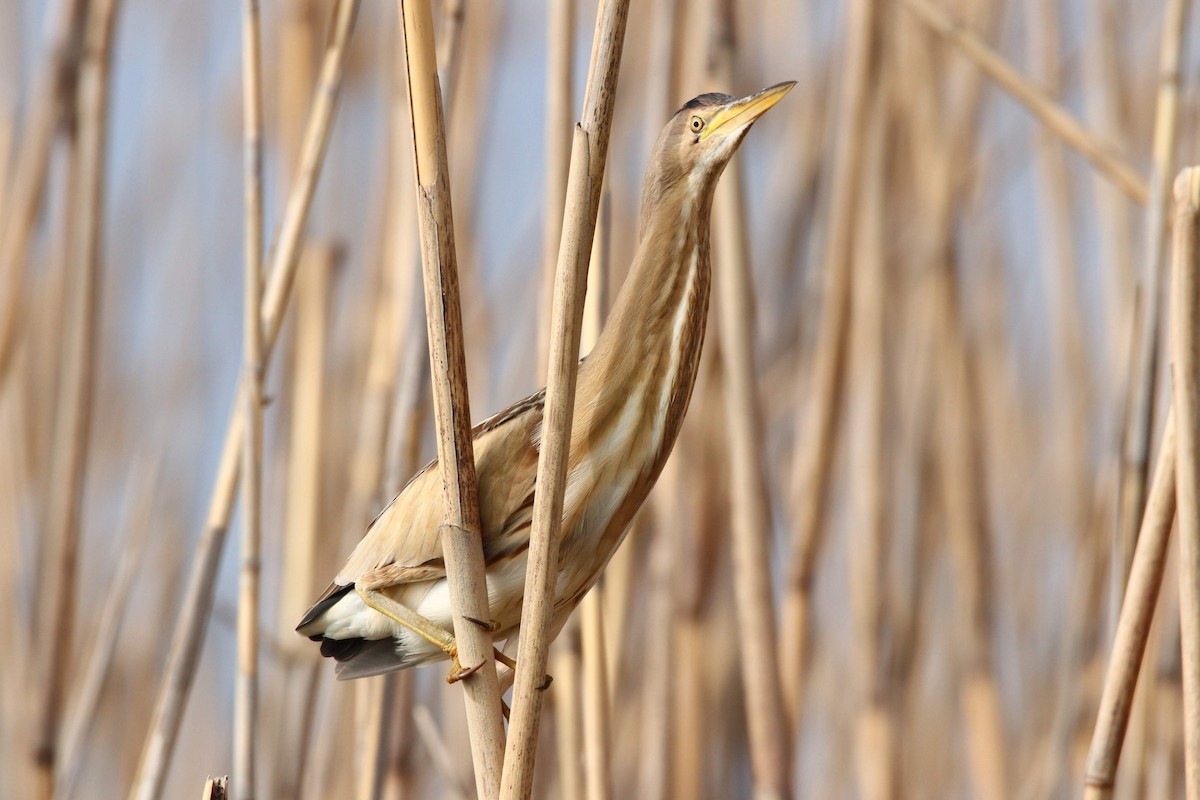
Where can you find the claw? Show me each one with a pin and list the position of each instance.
(457, 673)
(545, 684)
(492, 626)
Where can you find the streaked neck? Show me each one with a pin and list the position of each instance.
(644, 364)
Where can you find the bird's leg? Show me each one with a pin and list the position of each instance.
(509, 662)
(429, 631)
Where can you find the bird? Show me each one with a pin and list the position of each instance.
(389, 607)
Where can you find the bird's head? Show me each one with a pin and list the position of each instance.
(698, 142)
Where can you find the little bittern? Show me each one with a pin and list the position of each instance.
(389, 607)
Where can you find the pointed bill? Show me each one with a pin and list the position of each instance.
(741, 113)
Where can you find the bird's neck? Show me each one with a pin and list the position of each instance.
(640, 375)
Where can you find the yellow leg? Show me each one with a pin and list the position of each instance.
(431, 632)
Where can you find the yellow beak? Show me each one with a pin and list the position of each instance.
(741, 113)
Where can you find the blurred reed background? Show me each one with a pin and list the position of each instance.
(941, 417)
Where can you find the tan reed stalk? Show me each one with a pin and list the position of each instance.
(246, 705)
(374, 701)
(1133, 625)
(462, 546)
(439, 752)
(664, 41)
(81, 716)
(963, 481)
(298, 47)
(215, 789)
(585, 179)
(813, 460)
(594, 664)
(298, 41)
(1061, 264)
(876, 741)
(1104, 72)
(1185, 371)
(1144, 367)
(73, 404)
(567, 706)
(567, 656)
(467, 75)
(654, 602)
(51, 95)
(198, 594)
(1100, 153)
(395, 315)
(559, 106)
(449, 50)
(750, 506)
(307, 463)
(597, 756)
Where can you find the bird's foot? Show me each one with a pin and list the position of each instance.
(457, 671)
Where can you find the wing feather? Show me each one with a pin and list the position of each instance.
(404, 540)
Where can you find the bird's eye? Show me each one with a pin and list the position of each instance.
(697, 124)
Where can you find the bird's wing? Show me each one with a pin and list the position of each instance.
(403, 544)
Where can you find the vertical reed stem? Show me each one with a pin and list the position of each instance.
(73, 404)
(750, 509)
(201, 583)
(51, 95)
(1140, 404)
(462, 545)
(559, 80)
(588, 156)
(1185, 324)
(814, 455)
(1133, 624)
(245, 726)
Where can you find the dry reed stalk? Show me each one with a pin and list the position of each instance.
(246, 705)
(750, 507)
(1133, 625)
(567, 657)
(198, 594)
(876, 740)
(586, 176)
(1144, 367)
(596, 703)
(1057, 205)
(963, 482)
(655, 606)
(814, 456)
(374, 700)
(658, 93)
(215, 789)
(559, 80)
(307, 452)
(439, 752)
(298, 47)
(1104, 70)
(594, 664)
(81, 716)
(73, 404)
(567, 706)
(1101, 154)
(396, 317)
(51, 95)
(462, 546)
(1185, 363)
